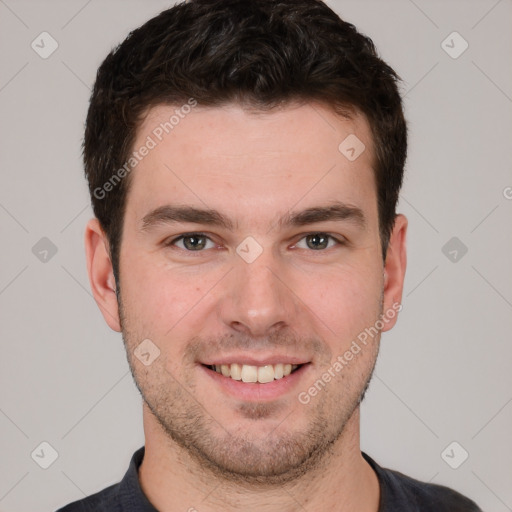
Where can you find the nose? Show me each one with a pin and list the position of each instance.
(258, 300)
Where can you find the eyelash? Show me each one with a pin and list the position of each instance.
(171, 243)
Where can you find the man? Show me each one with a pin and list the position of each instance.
(244, 161)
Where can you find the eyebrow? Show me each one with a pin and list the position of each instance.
(170, 214)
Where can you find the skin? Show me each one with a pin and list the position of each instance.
(206, 448)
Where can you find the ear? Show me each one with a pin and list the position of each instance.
(101, 274)
(394, 271)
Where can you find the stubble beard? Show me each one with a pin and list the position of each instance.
(282, 456)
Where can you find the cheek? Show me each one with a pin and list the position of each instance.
(155, 298)
(166, 305)
(347, 303)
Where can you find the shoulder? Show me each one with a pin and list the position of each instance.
(431, 497)
(123, 496)
(400, 492)
(103, 501)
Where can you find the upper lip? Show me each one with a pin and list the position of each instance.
(255, 360)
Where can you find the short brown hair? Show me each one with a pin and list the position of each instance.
(262, 53)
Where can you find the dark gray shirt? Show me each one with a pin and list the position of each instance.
(398, 493)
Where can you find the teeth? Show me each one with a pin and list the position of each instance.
(236, 371)
(265, 374)
(250, 373)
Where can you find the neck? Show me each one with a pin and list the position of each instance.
(173, 480)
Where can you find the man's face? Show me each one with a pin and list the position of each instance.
(257, 291)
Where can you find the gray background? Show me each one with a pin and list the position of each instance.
(444, 371)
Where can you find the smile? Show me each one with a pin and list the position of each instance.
(250, 373)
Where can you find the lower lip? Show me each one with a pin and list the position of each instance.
(255, 391)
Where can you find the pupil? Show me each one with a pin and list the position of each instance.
(194, 242)
(318, 239)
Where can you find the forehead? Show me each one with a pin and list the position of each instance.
(227, 157)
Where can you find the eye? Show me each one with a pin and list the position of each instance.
(192, 242)
(318, 241)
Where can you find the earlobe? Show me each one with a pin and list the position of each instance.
(394, 270)
(101, 274)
